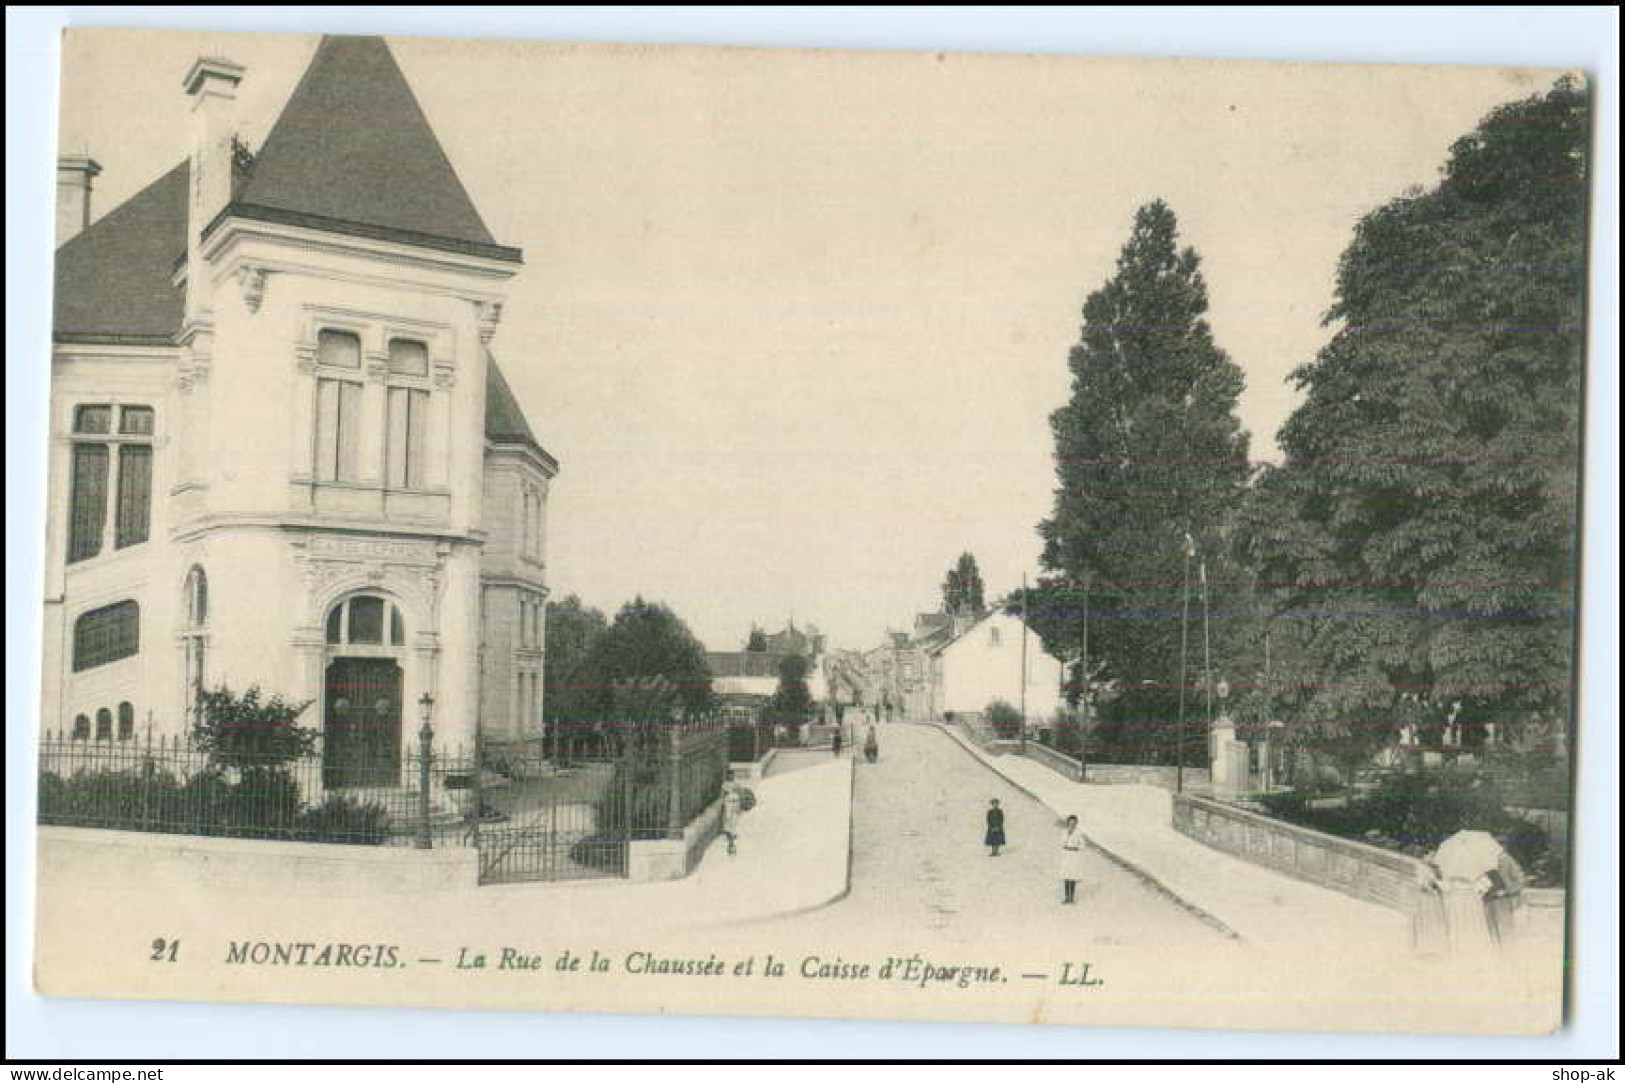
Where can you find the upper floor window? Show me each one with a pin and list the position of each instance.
(106, 635)
(338, 407)
(338, 349)
(407, 437)
(109, 459)
(530, 522)
(366, 620)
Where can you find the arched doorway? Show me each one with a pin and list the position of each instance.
(362, 693)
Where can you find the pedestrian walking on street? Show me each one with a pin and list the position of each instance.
(995, 828)
(871, 746)
(835, 741)
(1071, 860)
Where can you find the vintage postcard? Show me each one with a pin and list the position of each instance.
(768, 532)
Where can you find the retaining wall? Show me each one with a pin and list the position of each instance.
(1353, 868)
(253, 865)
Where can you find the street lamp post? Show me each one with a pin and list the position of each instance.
(425, 748)
(1184, 622)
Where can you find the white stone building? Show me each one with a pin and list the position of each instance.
(983, 663)
(282, 452)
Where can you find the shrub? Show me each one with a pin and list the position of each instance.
(344, 819)
(1415, 812)
(1005, 719)
(250, 730)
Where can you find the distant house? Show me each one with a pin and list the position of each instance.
(982, 662)
(747, 679)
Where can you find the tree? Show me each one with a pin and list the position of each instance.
(571, 631)
(1148, 451)
(645, 672)
(962, 590)
(1417, 546)
(792, 702)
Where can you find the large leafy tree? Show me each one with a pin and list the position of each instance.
(645, 672)
(963, 592)
(1418, 544)
(1148, 452)
(571, 630)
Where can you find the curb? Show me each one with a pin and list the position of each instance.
(1117, 859)
(846, 886)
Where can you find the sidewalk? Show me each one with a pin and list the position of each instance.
(792, 856)
(1133, 825)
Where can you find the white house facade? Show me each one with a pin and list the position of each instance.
(282, 451)
(984, 662)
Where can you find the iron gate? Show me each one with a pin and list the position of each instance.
(577, 824)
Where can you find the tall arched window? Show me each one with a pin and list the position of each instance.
(104, 725)
(126, 721)
(81, 727)
(195, 637)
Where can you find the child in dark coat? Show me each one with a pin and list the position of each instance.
(995, 828)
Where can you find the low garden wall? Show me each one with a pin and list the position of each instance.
(673, 858)
(1162, 775)
(1353, 868)
(752, 770)
(1111, 774)
(252, 866)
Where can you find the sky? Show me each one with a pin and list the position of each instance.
(794, 322)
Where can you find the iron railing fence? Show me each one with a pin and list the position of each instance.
(530, 817)
(167, 785)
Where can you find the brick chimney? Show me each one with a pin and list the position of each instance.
(212, 86)
(75, 173)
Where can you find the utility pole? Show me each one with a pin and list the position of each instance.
(1025, 602)
(1184, 637)
(1083, 733)
(1207, 656)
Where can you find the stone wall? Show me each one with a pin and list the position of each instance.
(1111, 774)
(1166, 777)
(673, 859)
(254, 866)
(1353, 868)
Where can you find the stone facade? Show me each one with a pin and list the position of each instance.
(323, 423)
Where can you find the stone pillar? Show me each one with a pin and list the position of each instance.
(1228, 782)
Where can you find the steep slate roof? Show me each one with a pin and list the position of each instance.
(353, 153)
(114, 278)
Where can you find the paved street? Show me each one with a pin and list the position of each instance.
(918, 863)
